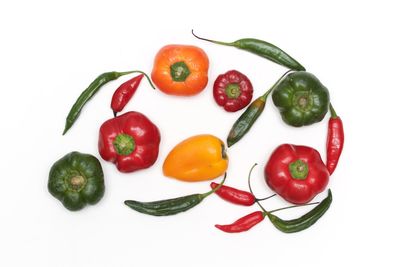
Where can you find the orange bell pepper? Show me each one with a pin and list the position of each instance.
(180, 70)
(198, 158)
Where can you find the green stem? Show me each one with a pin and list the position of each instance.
(139, 71)
(264, 96)
(265, 198)
(215, 189)
(251, 190)
(294, 206)
(333, 112)
(212, 41)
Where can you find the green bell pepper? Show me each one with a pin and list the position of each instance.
(76, 179)
(301, 99)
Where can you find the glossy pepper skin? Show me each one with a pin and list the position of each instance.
(303, 222)
(334, 141)
(197, 158)
(170, 206)
(76, 180)
(262, 49)
(243, 224)
(130, 140)
(234, 195)
(301, 99)
(88, 94)
(232, 90)
(180, 70)
(296, 173)
(125, 92)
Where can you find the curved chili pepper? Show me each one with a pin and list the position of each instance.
(88, 93)
(170, 206)
(335, 141)
(249, 117)
(305, 221)
(243, 224)
(263, 49)
(234, 195)
(125, 92)
(232, 90)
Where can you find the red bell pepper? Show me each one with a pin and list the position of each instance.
(131, 141)
(232, 90)
(296, 173)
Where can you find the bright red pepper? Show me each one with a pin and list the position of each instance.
(334, 142)
(244, 223)
(125, 92)
(234, 195)
(131, 141)
(296, 173)
(233, 91)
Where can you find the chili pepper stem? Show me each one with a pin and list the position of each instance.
(215, 189)
(212, 41)
(332, 111)
(293, 206)
(251, 190)
(115, 114)
(265, 198)
(139, 71)
(264, 96)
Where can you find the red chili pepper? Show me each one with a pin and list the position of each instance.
(335, 141)
(131, 141)
(244, 223)
(296, 173)
(125, 92)
(234, 195)
(233, 91)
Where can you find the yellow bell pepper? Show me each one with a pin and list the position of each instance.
(198, 158)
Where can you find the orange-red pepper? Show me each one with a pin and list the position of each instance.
(180, 70)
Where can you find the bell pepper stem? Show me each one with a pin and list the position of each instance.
(212, 41)
(332, 111)
(215, 189)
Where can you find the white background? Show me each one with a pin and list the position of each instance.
(51, 50)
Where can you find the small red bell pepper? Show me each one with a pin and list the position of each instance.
(131, 141)
(296, 173)
(232, 90)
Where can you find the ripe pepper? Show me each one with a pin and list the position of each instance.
(131, 141)
(125, 92)
(180, 70)
(296, 173)
(76, 179)
(334, 141)
(198, 158)
(301, 99)
(232, 90)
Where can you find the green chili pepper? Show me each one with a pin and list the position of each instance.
(247, 119)
(305, 221)
(89, 92)
(263, 49)
(170, 206)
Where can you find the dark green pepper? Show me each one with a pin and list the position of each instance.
(249, 117)
(76, 180)
(305, 221)
(171, 206)
(301, 99)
